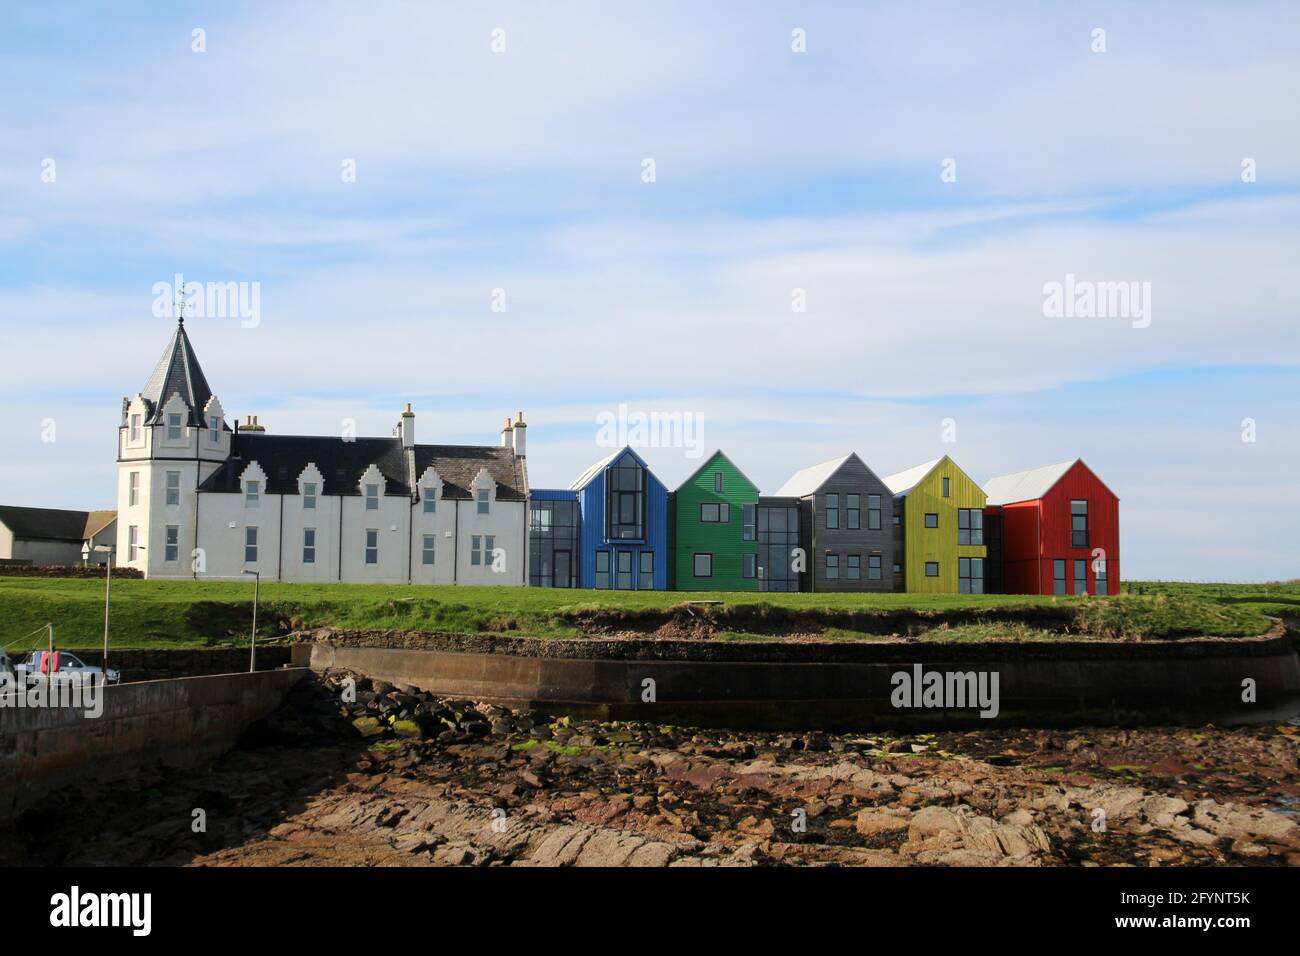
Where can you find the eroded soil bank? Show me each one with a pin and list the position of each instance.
(402, 778)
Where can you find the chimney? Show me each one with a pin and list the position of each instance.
(520, 435)
(506, 430)
(406, 427)
(252, 426)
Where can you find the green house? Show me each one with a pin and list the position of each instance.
(714, 536)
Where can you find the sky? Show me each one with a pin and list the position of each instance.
(809, 228)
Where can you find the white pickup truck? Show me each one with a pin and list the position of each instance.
(67, 667)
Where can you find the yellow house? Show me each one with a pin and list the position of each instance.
(938, 529)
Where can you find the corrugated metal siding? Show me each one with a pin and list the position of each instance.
(852, 477)
(1103, 528)
(724, 541)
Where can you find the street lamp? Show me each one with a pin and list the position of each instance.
(108, 585)
(252, 647)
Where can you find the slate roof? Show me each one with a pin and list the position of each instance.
(48, 524)
(806, 482)
(342, 463)
(900, 483)
(177, 371)
(1028, 485)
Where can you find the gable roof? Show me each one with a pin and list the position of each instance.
(177, 371)
(45, 524)
(708, 461)
(97, 521)
(808, 480)
(1027, 485)
(588, 476)
(900, 483)
(342, 463)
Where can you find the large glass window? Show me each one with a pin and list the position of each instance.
(602, 569)
(1058, 576)
(553, 543)
(647, 578)
(778, 537)
(970, 526)
(970, 575)
(625, 500)
(1078, 524)
(873, 512)
(623, 575)
(715, 512)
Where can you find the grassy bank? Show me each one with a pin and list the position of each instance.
(215, 613)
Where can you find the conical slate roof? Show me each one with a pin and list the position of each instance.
(178, 371)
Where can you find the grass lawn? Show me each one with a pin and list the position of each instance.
(205, 613)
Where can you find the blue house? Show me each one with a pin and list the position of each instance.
(624, 534)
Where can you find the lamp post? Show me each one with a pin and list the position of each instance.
(252, 647)
(108, 587)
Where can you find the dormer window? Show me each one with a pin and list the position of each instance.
(135, 428)
(252, 493)
(309, 495)
(430, 496)
(173, 427)
(484, 501)
(372, 497)
(214, 431)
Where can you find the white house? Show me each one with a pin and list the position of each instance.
(52, 536)
(197, 498)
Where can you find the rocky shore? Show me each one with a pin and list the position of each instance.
(355, 772)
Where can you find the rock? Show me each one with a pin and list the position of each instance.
(368, 726)
(407, 728)
(874, 821)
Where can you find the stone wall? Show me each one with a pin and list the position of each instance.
(162, 663)
(184, 722)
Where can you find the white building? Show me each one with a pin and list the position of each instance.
(197, 498)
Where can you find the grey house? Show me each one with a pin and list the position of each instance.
(849, 519)
(53, 536)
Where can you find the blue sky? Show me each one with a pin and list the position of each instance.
(775, 170)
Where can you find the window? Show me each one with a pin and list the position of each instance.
(484, 500)
(946, 488)
(372, 546)
(214, 431)
(715, 512)
(832, 567)
(308, 545)
(135, 428)
(489, 549)
(717, 482)
(173, 427)
(133, 488)
(898, 568)
(602, 569)
(1102, 585)
(970, 526)
(623, 579)
(778, 536)
(309, 495)
(931, 519)
(1078, 524)
(430, 497)
(873, 512)
(832, 511)
(132, 542)
(898, 519)
(1080, 576)
(171, 543)
(970, 575)
(372, 497)
(873, 567)
(703, 566)
(173, 487)
(625, 500)
(475, 552)
(749, 565)
(426, 551)
(252, 493)
(647, 581)
(553, 542)
(854, 568)
(250, 545)
(747, 513)
(932, 569)
(853, 507)
(1058, 576)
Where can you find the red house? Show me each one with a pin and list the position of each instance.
(1059, 531)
